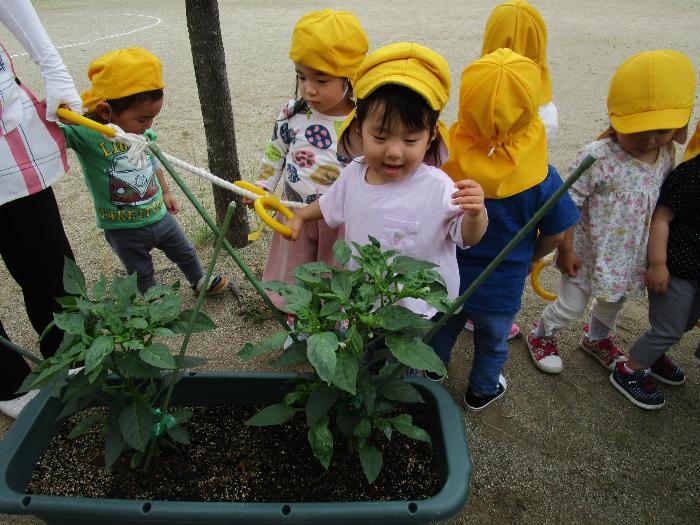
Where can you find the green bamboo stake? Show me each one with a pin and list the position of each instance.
(19, 350)
(212, 225)
(188, 333)
(459, 301)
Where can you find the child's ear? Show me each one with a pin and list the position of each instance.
(104, 111)
(681, 135)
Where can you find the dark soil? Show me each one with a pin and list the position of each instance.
(229, 461)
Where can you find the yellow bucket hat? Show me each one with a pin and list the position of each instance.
(329, 41)
(410, 65)
(498, 139)
(121, 73)
(693, 148)
(652, 90)
(517, 25)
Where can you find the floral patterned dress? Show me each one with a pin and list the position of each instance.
(616, 197)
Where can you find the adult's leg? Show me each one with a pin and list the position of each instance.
(33, 246)
(14, 370)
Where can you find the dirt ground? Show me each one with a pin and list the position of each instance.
(555, 449)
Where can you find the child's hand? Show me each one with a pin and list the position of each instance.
(248, 202)
(296, 224)
(568, 262)
(657, 277)
(170, 203)
(469, 197)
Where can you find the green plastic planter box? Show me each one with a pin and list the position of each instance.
(32, 431)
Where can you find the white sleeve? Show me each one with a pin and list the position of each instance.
(333, 202)
(21, 19)
(550, 118)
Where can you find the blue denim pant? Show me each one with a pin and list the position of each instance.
(490, 346)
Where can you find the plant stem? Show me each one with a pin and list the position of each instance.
(19, 350)
(531, 224)
(190, 327)
(281, 318)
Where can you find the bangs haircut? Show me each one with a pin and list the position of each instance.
(399, 105)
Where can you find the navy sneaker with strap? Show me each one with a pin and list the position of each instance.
(638, 387)
(667, 371)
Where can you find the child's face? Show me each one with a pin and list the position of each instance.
(324, 93)
(645, 143)
(391, 154)
(139, 117)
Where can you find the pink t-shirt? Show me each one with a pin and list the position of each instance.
(414, 215)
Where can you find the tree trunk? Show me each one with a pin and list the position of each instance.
(215, 100)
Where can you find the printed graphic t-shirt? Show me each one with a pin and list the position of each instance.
(125, 197)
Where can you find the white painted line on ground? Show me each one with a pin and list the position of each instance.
(157, 21)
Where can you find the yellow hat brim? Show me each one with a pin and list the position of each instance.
(650, 120)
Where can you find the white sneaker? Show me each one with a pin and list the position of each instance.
(13, 407)
(301, 336)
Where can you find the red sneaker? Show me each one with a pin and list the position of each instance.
(605, 351)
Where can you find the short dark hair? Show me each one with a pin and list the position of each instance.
(400, 104)
(120, 104)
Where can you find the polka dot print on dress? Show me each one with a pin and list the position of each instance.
(318, 136)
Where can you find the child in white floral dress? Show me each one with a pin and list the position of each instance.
(650, 100)
(327, 48)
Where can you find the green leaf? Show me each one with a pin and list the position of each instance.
(341, 252)
(319, 403)
(293, 355)
(133, 344)
(346, 420)
(305, 275)
(403, 264)
(72, 323)
(413, 352)
(181, 415)
(354, 341)
(400, 319)
(190, 361)
(346, 369)
(114, 446)
(321, 441)
(272, 415)
(161, 331)
(181, 324)
(73, 278)
(67, 302)
(363, 429)
(99, 289)
(401, 391)
(158, 355)
(367, 391)
(404, 424)
(341, 285)
(123, 289)
(132, 366)
(371, 461)
(167, 310)
(385, 427)
(135, 423)
(158, 290)
(101, 347)
(330, 307)
(179, 434)
(138, 323)
(273, 342)
(320, 350)
(136, 459)
(86, 424)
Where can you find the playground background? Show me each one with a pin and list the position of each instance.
(555, 449)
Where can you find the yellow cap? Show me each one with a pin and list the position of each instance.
(517, 25)
(652, 90)
(693, 148)
(407, 64)
(498, 139)
(121, 73)
(329, 41)
(410, 65)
